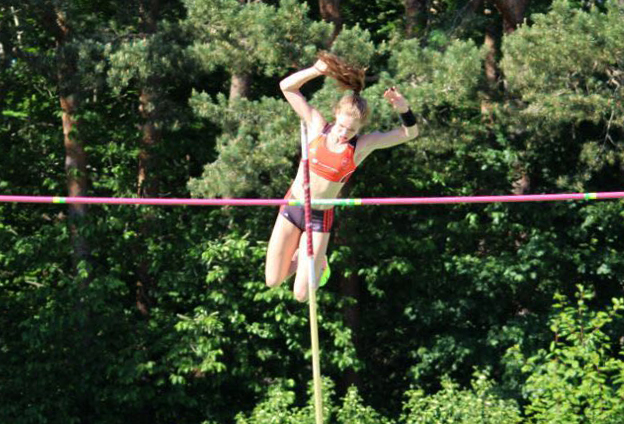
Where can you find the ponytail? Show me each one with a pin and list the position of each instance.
(348, 78)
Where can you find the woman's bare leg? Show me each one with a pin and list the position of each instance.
(319, 244)
(295, 263)
(282, 246)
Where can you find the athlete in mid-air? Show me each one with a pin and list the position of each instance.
(335, 151)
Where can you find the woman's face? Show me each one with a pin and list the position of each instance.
(345, 127)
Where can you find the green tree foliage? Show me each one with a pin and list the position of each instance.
(353, 409)
(478, 404)
(451, 404)
(247, 37)
(279, 407)
(565, 72)
(442, 83)
(258, 157)
(259, 146)
(444, 289)
(578, 378)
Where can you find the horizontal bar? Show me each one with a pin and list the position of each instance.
(315, 202)
(143, 201)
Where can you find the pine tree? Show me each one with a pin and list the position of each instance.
(245, 38)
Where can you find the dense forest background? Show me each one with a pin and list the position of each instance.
(500, 313)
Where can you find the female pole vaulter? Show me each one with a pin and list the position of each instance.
(335, 151)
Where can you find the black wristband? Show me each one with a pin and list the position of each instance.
(408, 118)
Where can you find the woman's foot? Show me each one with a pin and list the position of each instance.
(325, 272)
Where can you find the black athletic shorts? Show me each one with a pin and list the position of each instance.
(322, 219)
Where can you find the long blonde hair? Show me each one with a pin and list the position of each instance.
(348, 78)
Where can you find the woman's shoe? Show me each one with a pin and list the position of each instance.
(326, 274)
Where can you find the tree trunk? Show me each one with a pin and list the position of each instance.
(76, 170)
(6, 41)
(9, 28)
(77, 185)
(415, 18)
(149, 11)
(147, 183)
(522, 184)
(18, 31)
(75, 156)
(491, 71)
(240, 86)
(330, 12)
(147, 186)
(512, 12)
(350, 287)
(491, 66)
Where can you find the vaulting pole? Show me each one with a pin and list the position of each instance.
(316, 362)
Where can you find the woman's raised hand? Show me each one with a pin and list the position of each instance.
(396, 99)
(320, 66)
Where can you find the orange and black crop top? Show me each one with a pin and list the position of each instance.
(332, 166)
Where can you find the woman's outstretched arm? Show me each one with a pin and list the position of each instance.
(290, 87)
(382, 140)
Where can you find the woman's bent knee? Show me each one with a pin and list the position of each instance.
(273, 280)
(301, 292)
(301, 297)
